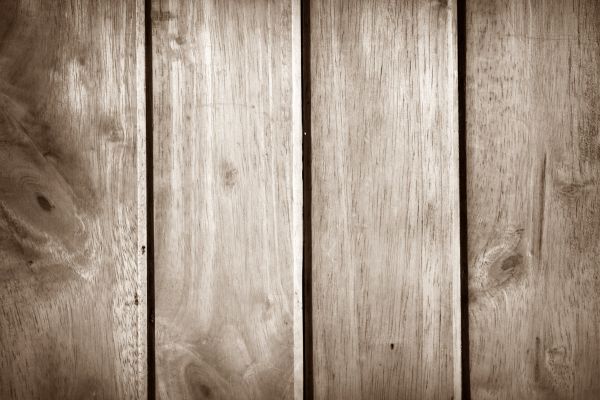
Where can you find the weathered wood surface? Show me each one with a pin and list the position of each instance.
(228, 199)
(533, 162)
(72, 276)
(385, 226)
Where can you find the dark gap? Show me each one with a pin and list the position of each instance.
(150, 198)
(462, 167)
(307, 203)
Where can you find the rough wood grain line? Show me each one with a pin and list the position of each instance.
(228, 199)
(385, 200)
(533, 162)
(72, 276)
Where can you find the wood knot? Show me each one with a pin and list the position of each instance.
(506, 269)
(205, 390)
(569, 187)
(572, 190)
(195, 380)
(229, 174)
(44, 203)
(511, 262)
(501, 264)
(553, 370)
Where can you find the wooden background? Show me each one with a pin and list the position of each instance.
(284, 199)
(72, 200)
(385, 226)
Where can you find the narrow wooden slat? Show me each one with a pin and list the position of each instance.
(72, 128)
(533, 162)
(228, 199)
(385, 224)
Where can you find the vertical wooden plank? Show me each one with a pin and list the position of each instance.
(533, 118)
(228, 201)
(385, 200)
(72, 128)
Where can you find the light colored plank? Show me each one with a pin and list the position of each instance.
(385, 224)
(72, 272)
(533, 114)
(228, 202)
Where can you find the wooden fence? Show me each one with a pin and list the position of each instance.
(286, 199)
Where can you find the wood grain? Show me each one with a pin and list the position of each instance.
(72, 272)
(533, 162)
(228, 200)
(385, 224)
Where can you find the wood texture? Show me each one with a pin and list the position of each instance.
(228, 201)
(533, 118)
(72, 275)
(385, 224)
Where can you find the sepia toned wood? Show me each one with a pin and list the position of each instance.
(533, 162)
(72, 269)
(228, 199)
(385, 200)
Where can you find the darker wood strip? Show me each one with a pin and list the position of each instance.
(72, 277)
(533, 186)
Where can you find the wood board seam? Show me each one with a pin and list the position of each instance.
(148, 178)
(460, 60)
(307, 201)
(297, 199)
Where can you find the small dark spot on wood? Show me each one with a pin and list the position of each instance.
(30, 262)
(196, 383)
(536, 367)
(180, 40)
(143, 249)
(541, 208)
(205, 390)
(229, 174)
(44, 203)
(136, 299)
(511, 262)
(162, 15)
(392, 346)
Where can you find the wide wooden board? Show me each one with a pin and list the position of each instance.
(72, 270)
(228, 199)
(533, 162)
(385, 200)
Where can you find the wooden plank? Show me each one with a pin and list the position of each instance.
(72, 128)
(533, 114)
(228, 202)
(385, 223)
